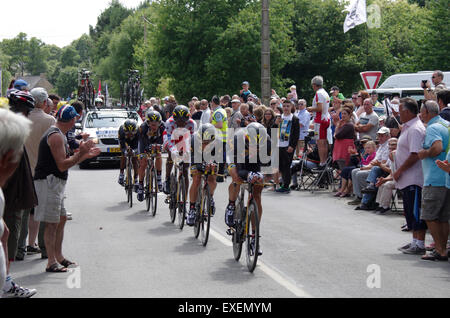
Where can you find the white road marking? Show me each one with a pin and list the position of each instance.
(275, 275)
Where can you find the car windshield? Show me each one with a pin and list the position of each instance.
(105, 120)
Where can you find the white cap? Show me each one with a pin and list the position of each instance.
(39, 94)
(384, 131)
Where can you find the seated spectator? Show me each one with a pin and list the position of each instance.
(345, 138)
(386, 185)
(364, 160)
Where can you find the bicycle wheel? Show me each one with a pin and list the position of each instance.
(129, 185)
(173, 197)
(199, 209)
(252, 244)
(154, 191)
(148, 189)
(205, 218)
(237, 237)
(181, 203)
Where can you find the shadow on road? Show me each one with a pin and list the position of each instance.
(139, 216)
(191, 246)
(120, 207)
(232, 273)
(165, 229)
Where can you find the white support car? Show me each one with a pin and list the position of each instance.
(103, 127)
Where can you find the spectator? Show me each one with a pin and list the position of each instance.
(225, 101)
(362, 160)
(21, 85)
(443, 99)
(274, 103)
(259, 113)
(269, 121)
(304, 118)
(386, 185)
(361, 97)
(14, 130)
(247, 115)
(335, 94)
(41, 121)
(287, 143)
(236, 116)
(368, 121)
(357, 104)
(206, 112)
(293, 90)
(393, 124)
(438, 81)
(321, 103)
(345, 138)
(19, 196)
(55, 100)
(245, 92)
(378, 108)
(409, 174)
(50, 177)
(435, 195)
(197, 116)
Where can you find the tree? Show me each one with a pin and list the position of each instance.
(17, 49)
(67, 81)
(37, 57)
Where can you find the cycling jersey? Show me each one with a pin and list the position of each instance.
(173, 137)
(124, 141)
(201, 156)
(147, 137)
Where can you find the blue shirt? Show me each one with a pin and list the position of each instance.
(437, 129)
(447, 183)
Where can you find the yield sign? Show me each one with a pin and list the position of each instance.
(371, 79)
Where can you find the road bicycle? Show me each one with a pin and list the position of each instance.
(85, 89)
(151, 181)
(204, 209)
(177, 197)
(129, 185)
(246, 228)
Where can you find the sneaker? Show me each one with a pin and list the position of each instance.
(369, 190)
(283, 190)
(19, 292)
(294, 187)
(69, 216)
(357, 201)
(190, 218)
(121, 179)
(31, 250)
(362, 207)
(229, 215)
(414, 250)
(407, 246)
(140, 192)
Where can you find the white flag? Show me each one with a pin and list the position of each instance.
(356, 14)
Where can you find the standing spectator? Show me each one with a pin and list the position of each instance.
(362, 96)
(443, 99)
(206, 112)
(409, 174)
(50, 179)
(287, 143)
(435, 195)
(378, 108)
(14, 130)
(368, 123)
(259, 113)
(269, 121)
(19, 196)
(55, 100)
(345, 138)
(293, 90)
(225, 101)
(198, 112)
(236, 116)
(321, 103)
(245, 92)
(21, 85)
(304, 118)
(438, 81)
(41, 121)
(247, 115)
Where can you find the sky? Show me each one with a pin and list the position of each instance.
(56, 22)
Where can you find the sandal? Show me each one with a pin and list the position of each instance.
(66, 263)
(55, 269)
(434, 256)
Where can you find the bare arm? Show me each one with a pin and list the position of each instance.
(433, 151)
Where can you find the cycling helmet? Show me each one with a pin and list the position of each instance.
(257, 133)
(207, 132)
(98, 100)
(21, 99)
(130, 126)
(153, 117)
(181, 113)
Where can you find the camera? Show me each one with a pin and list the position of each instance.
(424, 83)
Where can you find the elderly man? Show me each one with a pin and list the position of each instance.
(409, 173)
(438, 81)
(206, 116)
(19, 196)
(41, 121)
(368, 123)
(50, 177)
(236, 116)
(436, 197)
(322, 127)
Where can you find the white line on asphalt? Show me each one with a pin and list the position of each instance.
(275, 275)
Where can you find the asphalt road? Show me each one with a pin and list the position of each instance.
(314, 246)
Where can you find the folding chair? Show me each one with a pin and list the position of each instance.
(323, 176)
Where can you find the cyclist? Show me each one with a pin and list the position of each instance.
(179, 128)
(247, 168)
(150, 133)
(128, 139)
(206, 137)
(98, 102)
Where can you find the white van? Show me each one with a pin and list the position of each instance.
(406, 85)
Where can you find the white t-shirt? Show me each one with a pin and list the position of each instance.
(282, 142)
(206, 116)
(323, 98)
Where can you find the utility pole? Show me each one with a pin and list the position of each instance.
(145, 44)
(265, 53)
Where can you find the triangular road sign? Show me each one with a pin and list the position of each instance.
(371, 79)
